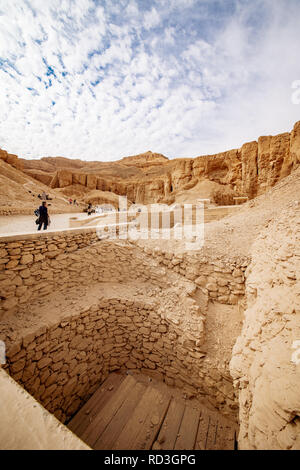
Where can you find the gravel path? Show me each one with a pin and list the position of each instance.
(26, 223)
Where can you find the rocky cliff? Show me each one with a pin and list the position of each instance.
(12, 160)
(19, 192)
(266, 357)
(149, 177)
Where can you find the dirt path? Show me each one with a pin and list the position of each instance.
(10, 225)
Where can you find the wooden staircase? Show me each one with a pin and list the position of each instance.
(134, 412)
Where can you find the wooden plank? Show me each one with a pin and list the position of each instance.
(104, 417)
(144, 424)
(188, 429)
(225, 439)
(108, 438)
(211, 434)
(202, 431)
(170, 428)
(91, 408)
(222, 441)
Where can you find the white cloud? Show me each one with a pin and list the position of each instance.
(170, 34)
(151, 19)
(101, 81)
(132, 9)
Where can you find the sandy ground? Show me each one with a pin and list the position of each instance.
(16, 224)
(232, 237)
(26, 223)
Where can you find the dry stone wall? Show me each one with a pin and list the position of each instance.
(33, 265)
(222, 282)
(37, 264)
(9, 210)
(161, 331)
(63, 364)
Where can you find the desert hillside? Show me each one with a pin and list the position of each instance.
(18, 193)
(150, 177)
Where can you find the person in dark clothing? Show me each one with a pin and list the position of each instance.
(44, 217)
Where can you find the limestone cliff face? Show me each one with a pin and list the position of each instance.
(266, 357)
(295, 145)
(150, 177)
(148, 158)
(249, 157)
(12, 160)
(274, 162)
(41, 176)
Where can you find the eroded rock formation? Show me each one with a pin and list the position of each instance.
(150, 177)
(266, 357)
(12, 160)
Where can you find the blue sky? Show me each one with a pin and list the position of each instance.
(99, 80)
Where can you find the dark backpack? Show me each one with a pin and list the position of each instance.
(37, 214)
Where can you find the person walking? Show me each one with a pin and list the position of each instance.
(44, 216)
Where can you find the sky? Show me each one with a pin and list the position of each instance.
(100, 80)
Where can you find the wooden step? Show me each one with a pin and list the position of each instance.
(201, 438)
(170, 428)
(107, 439)
(215, 432)
(93, 406)
(187, 433)
(226, 437)
(95, 428)
(144, 424)
(134, 412)
(211, 433)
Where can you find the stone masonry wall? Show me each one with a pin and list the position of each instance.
(172, 320)
(63, 364)
(222, 282)
(37, 264)
(32, 265)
